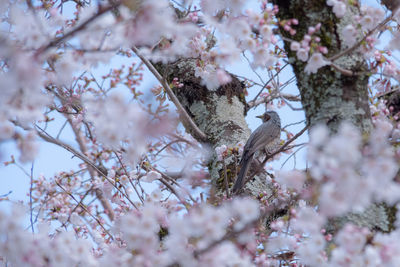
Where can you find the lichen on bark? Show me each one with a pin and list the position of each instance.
(330, 97)
(220, 114)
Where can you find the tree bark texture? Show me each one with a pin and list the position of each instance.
(220, 114)
(330, 97)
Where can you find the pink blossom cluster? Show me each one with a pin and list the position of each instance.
(238, 31)
(370, 17)
(287, 26)
(22, 99)
(344, 179)
(339, 7)
(116, 121)
(224, 151)
(21, 248)
(341, 166)
(310, 43)
(136, 198)
(190, 239)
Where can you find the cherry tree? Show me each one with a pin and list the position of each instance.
(157, 163)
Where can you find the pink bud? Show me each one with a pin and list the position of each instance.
(323, 49)
(328, 237)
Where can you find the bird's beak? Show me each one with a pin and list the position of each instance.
(265, 117)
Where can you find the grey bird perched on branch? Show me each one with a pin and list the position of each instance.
(265, 137)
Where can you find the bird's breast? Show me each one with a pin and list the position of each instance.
(273, 146)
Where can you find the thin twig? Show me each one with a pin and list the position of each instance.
(83, 25)
(356, 45)
(252, 68)
(293, 123)
(62, 128)
(290, 97)
(30, 199)
(226, 179)
(78, 205)
(127, 174)
(173, 191)
(48, 138)
(85, 209)
(99, 193)
(228, 236)
(167, 145)
(301, 146)
(265, 84)
(343, 71)
(164, 179)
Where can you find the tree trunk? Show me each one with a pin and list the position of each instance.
(330, 97)
(220, 114)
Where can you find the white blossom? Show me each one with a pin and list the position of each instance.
(302, 54)
(315, 62)
(151, 176)
(349, 34)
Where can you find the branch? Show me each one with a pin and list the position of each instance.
(342, 70)
(45, 136)
(69, 34)
(282, 148)
(291, 97)
(265, 84)
(127, 174)
(356, 45)
(164, 180)
(283, 96)
(198, 134)
(30, 199)
(86, 210)
(228, 236)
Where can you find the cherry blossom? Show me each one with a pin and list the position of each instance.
(145, 191)
(315, 62)
(339, 7)
(349, 35)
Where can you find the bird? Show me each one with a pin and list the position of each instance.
(265, 137)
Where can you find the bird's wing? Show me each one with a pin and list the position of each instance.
(262, 136)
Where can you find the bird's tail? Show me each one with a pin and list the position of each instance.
(240, 180)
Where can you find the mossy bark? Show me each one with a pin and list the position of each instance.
(220, 114)
(330, 97)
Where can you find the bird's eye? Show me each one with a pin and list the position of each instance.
(267, 117)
